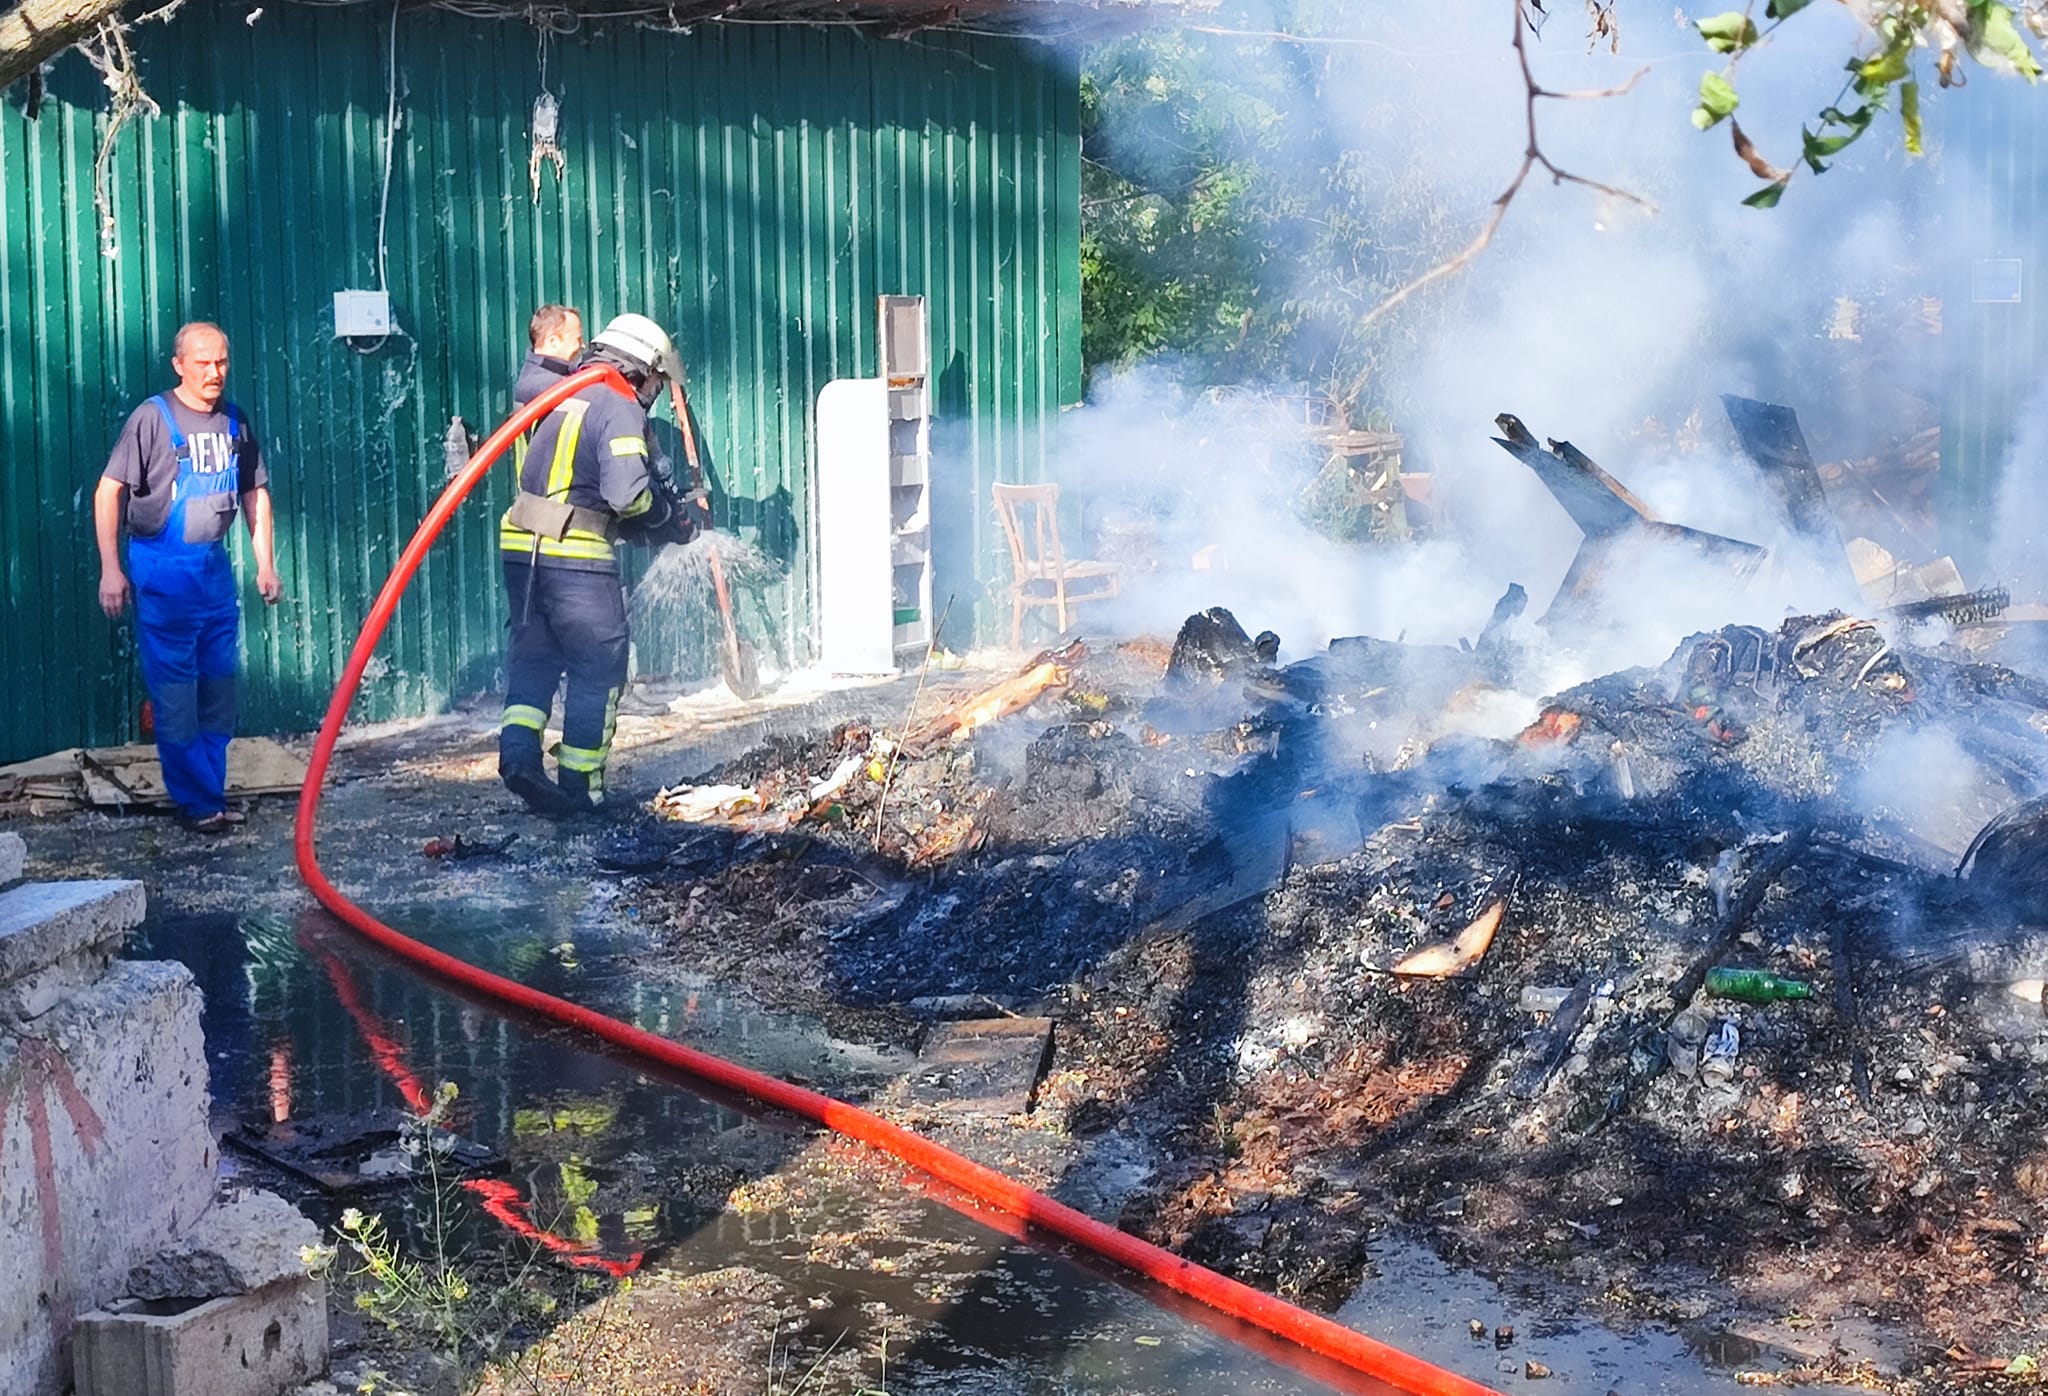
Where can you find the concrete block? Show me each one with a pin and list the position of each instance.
(242, 1244)
(13, 854)
(56, 937)
(257, 1344)
(105, 1155)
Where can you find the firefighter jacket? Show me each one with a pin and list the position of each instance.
(584, 475)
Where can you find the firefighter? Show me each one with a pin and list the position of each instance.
(587, 483)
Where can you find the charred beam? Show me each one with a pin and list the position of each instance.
(35, 31)
(1771, 437)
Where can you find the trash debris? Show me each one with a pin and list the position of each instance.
(1536, 998)
(1754, 986)
(1458, 956)
(460, 848)
(1048, 673)
(1718, 1054)
(128, 777)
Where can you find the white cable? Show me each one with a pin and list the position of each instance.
(390, 140)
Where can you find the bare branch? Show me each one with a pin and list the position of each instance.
(1458, 262)
(1590, 94)
(1532, 156)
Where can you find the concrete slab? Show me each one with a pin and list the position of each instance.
(257, 1344)
(13, 855)
(986, 1066)
(105, 1155)
(56, 937)
(242, 1244)
(43, 923)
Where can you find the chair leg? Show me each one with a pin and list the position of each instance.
(1016, 622)
(1060, 599)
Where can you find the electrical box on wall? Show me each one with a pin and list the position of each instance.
(361, 313)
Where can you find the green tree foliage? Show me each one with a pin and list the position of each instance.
(1900, 36)
(1229, 224)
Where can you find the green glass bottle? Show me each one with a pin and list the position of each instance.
(1754, 985)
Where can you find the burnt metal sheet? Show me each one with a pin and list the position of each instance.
(1617, 526)
(984, 1066)
(1771, 437)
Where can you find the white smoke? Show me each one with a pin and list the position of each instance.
(1591, 319)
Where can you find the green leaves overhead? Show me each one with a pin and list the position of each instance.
(1987, 31)
(1994, 40)
(1846, 127)
(1718, 101)
(1728, 33)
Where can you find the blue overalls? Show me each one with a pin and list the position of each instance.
(188, 624)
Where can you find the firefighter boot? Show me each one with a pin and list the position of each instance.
(520, 767)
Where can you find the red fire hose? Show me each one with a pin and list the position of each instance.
(1310, 1331)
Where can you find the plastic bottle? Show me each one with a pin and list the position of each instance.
(455, 447)
(1754, 985)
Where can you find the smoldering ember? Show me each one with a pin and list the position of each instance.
(1022, 698)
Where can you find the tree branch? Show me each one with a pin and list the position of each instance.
(35, 31)
(1532, 156)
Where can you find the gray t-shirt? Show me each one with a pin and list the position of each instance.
(144, 462)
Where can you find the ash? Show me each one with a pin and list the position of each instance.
(1212, 869)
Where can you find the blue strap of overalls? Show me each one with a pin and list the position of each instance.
(181, 450)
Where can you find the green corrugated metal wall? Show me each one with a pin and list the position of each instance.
(754, 187)
(1995, 182)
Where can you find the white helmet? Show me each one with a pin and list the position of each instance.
(642, 339)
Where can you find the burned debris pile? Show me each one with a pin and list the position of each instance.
(1371, 933)
(1713, 982)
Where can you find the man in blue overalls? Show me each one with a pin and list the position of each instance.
(185, 462)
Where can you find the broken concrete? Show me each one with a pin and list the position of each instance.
(257, 1344)
(56, 937)
(241, 1245)
(104, 1153)
(13, 854)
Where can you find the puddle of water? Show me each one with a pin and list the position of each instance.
(1432, 1306)
(609, 1163)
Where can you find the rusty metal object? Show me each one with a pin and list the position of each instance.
(1971, 608)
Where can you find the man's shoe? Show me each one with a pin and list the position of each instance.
(215, 823)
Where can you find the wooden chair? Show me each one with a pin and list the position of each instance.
(1041, 574)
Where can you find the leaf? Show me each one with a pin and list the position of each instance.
(1718, 100)
(1447, 959)
(1909, 114)
(1766, 197)
(1887, 67)
(1748, 154)
(1784, 9)
(2025, 1365)
(1727, 33)
(1991, 36)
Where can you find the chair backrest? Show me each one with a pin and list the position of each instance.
(1034, 542)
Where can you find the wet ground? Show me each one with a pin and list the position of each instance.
(770, 1258)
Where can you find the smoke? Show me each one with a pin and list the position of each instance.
(2019, 540)
(1590, 318)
